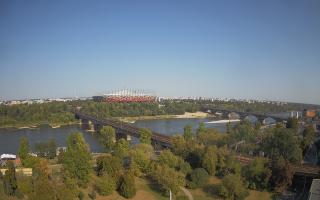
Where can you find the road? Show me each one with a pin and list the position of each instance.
(187, 193)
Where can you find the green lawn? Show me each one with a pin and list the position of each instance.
(209, 192)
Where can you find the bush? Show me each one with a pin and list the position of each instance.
(127, 187)
(197, 178)
(232, 187)
(257, 173)
(105, 186)
(167, 178)
(80, 195)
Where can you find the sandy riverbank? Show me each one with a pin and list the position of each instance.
(193, 115)
(186, 115)
(34, 126)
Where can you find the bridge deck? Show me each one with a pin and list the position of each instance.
(126, 127)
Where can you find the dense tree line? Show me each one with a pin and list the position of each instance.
(104, 110)
(258, 107)
(34, 114)
(56, 113)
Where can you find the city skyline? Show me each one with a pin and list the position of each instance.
(249, 50)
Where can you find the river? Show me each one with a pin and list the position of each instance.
(9, 138)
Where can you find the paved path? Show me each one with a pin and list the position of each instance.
(187, 193)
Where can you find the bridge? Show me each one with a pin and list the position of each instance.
(299, 170)
(123, 129)
(242, 115)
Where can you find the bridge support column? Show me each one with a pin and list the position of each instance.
(90, 126)
(97, 128)
(84, 124)
(123, 136)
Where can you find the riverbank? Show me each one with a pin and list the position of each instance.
(37, 125)
(223, 121)
(186, 115)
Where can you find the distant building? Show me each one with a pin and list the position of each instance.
(126, 96)
(60, 150)
(4, 158)
(310, 113)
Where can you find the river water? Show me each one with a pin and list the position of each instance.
(9, 138)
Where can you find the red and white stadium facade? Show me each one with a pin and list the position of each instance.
(126, 96)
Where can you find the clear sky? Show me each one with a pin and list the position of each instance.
(261, 49)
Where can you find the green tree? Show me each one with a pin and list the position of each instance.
(201, 129)
(209, 159)
(141, 155)
(52, 149)
(187, 132)
(105, 185)
(232, 188)
(166, 157)
(282, 142)
(227, 164)
(282, 174)
(10, 180)
(198, 178)
(292, 123)
(243, 131)
(62, 192)
(213, 137)
(121, 149)
(24, 149)
(43, 188)
(109, 165)
(127, 187)
(41, 149)
(77, 158)
(25, 186)
(229, 128)
(308, 138)
(80, 195)
(167, 178)
(145, 136)
(179, 146)
(108, 137)
(46, 149)
(258, 173)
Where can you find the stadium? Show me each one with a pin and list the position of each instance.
(126, 96)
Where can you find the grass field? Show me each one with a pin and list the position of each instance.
(209, 192)
(144, 191)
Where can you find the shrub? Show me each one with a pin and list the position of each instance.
(232, 187)
(105, 186)
(127, 187)
(197, 178)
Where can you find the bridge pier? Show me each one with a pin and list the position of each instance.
(84, 123)
(87, 125)
(120, 135)
(97, 127)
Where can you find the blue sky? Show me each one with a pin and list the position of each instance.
(266, 49)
